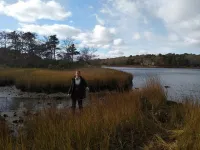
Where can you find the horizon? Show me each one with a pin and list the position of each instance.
(146, 55)
(116, 27)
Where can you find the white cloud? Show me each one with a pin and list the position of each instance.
(142, 52)
(99, 37)
(127, 7)
(103, 38)
(122, 14)
(177, 10)
(145, 26)
(62, 31)
(102, 34)
(118, 42)
(116, 53)
(112, 31)
(83, 36)
(2, 3)
(102, 55)
(179, 16)
(32, 10)
(99, 20)
(148, 35)
(136, 36)
(160, 25)
(107, 10)
(173, 37)
(6, 30)
(191, 41)
(106, 46)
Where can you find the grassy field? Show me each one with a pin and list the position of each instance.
(141, 119)
(50, 81)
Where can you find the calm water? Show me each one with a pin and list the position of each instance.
(182, 82)
(11, 99)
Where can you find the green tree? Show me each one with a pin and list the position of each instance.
(29, 42)
(72, 51)
(52, 44)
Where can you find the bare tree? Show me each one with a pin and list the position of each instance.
(15, 40)
(70, 49)
(87, 54)
(68, 42)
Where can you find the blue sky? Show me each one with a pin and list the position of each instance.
(115, 27)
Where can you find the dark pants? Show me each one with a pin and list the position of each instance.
(80, 103)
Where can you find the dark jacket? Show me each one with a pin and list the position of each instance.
(81, 94)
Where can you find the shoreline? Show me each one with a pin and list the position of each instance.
(130, 66)
(13, 92)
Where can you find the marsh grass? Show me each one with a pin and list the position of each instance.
(50, 81)
(182, 128)
(154, 91)
(114, 121)
(92, 129)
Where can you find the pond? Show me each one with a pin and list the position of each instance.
(182, 83)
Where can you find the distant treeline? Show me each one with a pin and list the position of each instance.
(168, 60)
(26, 49)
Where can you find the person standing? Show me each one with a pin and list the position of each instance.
(77, 90)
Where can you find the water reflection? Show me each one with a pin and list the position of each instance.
(14, 110)
(32, 104)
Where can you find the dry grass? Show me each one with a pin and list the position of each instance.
(154, 92)
(90, 130)
(110, 122)
(190, 136)
(37, 80)
(115, 121)
(95, 128)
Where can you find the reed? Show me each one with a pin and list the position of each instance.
(50, 81)
(114, 121)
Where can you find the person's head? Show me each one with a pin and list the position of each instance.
(77, 73)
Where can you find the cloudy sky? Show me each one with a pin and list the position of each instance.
(116, 27)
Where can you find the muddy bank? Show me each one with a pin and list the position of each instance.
(13, 92)
(16, 105)
(11, 98)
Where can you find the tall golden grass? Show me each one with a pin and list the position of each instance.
(114, 121)
(37, 80)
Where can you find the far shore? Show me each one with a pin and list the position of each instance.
(133, 66)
